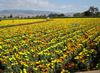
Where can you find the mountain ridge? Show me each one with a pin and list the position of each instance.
(25, 13)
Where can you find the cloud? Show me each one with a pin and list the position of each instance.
(33, 4)
(49, 5)
(25, 3)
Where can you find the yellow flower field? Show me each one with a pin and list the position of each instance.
(18, 21)
(55, 46)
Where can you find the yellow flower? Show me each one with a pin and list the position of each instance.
(81, 53)
(77, 57)
(83, 61)
(21, 71)
(17, 56)
(21, 53)
(35, 69)
(80, 57)
(0, 47)
(63, 71)
(1, 42)
(38, 62)
(88, 55)
(65, 56)
(48, 65)
(24, 70)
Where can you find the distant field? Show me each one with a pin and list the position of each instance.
(56, 46)
(18, 21)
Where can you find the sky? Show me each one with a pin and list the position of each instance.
(64, 6)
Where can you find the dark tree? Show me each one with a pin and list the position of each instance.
(61, 15)
(11, 16)
(92, 11)
(0, 18)
(4, 17)
(54, 15)
(87, 13)
(77, 15)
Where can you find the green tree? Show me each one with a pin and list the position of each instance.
(92, 11)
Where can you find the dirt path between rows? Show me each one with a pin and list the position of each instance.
(23, 24)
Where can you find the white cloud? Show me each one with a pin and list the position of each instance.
(66, 6)
(33, 4)
(25, 3)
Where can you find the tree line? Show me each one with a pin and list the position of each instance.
(51, 15)
(91, 12)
